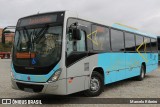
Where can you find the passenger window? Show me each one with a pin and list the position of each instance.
(129, 42)
(117, 40)
(139, 43)
(81, 46)
(154, 45)
(100, 38)
(147, 42)
(76, 45)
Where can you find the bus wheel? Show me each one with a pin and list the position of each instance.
(96, 85)
(142, 74)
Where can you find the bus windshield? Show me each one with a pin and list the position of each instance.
(39, 47)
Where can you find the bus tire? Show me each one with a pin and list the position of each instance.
(96, 85)
(142, 73)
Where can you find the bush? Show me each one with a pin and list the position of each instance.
(5, 47)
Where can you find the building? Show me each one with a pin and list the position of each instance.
(1, 34)
(9, 36)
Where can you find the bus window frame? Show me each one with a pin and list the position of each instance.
(150, 44)
(156, 46)
(106, 27)
(138, 35)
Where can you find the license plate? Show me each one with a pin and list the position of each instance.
(28, 89)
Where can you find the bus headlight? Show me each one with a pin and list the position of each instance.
(55, 76)
(11, 71)
(12, 75)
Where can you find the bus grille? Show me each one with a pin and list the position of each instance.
(35, 88)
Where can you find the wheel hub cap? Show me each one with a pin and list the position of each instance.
(94, 84)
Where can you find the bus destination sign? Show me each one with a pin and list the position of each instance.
(40, 19)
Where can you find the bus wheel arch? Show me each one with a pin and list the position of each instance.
(99, 70)
(96, 83)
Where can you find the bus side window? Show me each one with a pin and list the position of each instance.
(130, 42)
(69, 44)
(154, 45)
(100, 38)
(139, 42)
(117, 40)
(147, 42)
(78, 45)
(81, 43)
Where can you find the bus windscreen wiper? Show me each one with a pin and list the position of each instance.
(37, 36)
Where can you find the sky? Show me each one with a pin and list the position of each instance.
(141, 14)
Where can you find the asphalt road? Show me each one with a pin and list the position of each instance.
(148, 88)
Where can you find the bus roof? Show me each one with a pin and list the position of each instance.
(133, 30)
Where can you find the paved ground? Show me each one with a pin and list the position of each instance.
(148, 88)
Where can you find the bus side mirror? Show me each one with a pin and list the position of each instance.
(76, 34)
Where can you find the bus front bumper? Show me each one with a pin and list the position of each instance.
(56, 88)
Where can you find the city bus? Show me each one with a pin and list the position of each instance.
(62, 53)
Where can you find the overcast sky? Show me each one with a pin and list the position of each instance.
(141, 14)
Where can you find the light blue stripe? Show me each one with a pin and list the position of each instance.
(125, 65)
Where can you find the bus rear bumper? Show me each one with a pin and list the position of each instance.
(56, 88)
